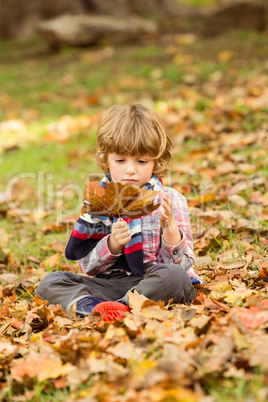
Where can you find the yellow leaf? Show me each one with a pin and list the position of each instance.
(225, 55)
(204, 198)
(220, 290)
(51, 262)
(142, 368)
(183, 59)
(243, 293)
(158, 394)
(37, 336)
(233, 298)
(254, 91)
(185, 39)
(240, 339)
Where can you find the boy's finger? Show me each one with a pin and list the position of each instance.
(120, 224)
(122, 230)
(124, 236)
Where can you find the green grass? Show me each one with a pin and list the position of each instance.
(240, 389)
(51, 158)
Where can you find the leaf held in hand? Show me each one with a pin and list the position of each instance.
(118, 199)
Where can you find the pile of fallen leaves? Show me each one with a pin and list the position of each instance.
(154, 353)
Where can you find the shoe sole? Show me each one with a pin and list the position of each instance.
(111, 311)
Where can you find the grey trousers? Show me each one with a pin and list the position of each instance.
(160, 282)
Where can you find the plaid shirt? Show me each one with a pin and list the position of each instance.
(155, 250)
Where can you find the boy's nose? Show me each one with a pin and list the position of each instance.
(130, 168)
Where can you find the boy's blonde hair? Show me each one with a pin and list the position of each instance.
(133, 130)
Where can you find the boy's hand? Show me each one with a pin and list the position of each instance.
(120, 236)
(166, 217)
(167, 220)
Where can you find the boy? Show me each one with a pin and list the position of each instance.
(152, 254)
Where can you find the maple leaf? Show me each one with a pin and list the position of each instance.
(118, 199)
(42, 367)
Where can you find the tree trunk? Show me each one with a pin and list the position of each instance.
(19, 17)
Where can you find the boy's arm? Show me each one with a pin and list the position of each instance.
(171, 233)
(177, 242)
(99, 259)
(107, 250)
(91, 250)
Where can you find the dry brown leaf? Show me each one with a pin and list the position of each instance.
(43, 367)
(52, 261)
(136, 301)
(118, 199)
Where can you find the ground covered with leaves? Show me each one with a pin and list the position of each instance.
(213, 98)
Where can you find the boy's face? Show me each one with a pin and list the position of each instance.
(136, 170)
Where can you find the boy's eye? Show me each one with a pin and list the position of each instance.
(142, 161)
(120, 160)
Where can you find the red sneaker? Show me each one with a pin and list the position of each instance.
(111, 310)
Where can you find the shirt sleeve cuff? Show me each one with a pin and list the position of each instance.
(175, 251)
(103, 251)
